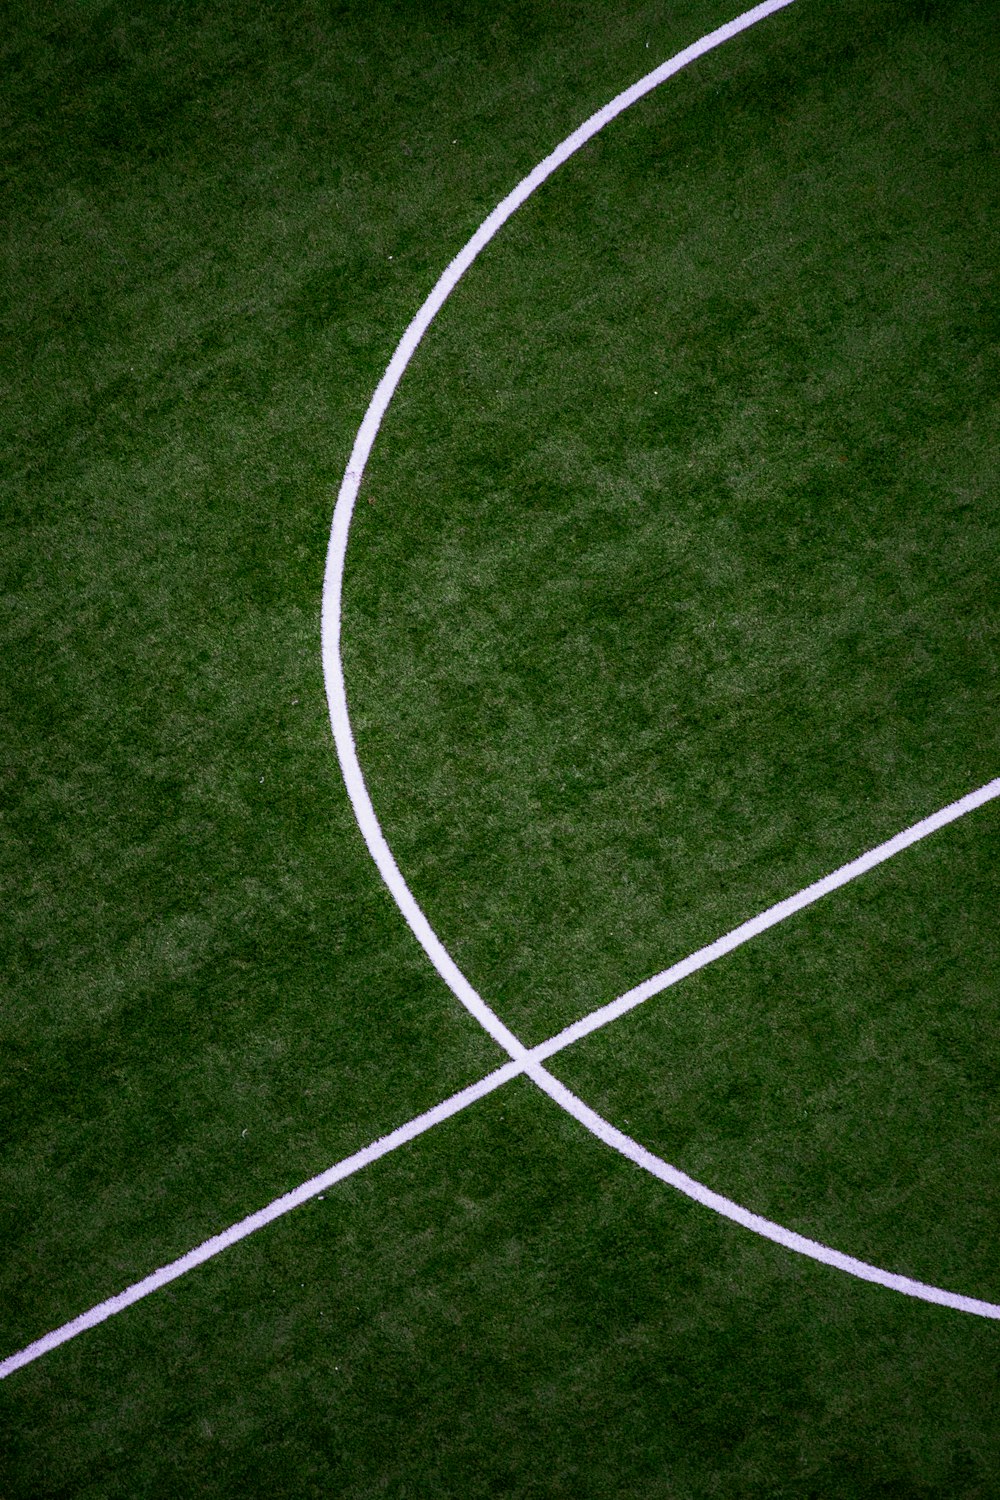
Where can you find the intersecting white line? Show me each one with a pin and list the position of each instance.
(524, 1060)
(529, 1062)
(364, 810)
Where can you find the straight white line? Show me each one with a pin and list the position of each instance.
(263, 1216)
(530, 1063)
(769, 918)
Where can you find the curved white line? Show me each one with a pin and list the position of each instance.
(333, 582)
(618, 1141)
(368, 821)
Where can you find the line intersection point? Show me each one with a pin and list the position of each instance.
(529, 1061)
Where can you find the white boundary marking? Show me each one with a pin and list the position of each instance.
(347, 497)
(523, 1060)
(616, 1139)
(274, 1210)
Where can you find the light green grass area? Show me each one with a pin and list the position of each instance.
(671, 588)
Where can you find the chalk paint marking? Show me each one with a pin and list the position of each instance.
(280, 1206)
(333, 670)
(770, 918)
(787, 1238)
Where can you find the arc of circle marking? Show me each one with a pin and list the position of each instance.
(357, 789)
(347, 496)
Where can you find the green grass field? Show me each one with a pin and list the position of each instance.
(671, 588)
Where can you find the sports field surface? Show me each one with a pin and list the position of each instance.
(509, 760)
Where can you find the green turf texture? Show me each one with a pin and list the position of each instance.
(672, 587)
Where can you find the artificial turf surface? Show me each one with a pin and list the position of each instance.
(671, 588)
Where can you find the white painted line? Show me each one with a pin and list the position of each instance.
(524, 1060)
(770, 918)
(368, 431)
(361, 801)
(263, 1216)
(618, 1141)
(530, 1063)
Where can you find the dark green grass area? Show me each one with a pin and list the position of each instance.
(509, 1309)
(839, 1074)
(671, 588)
(681, 563)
